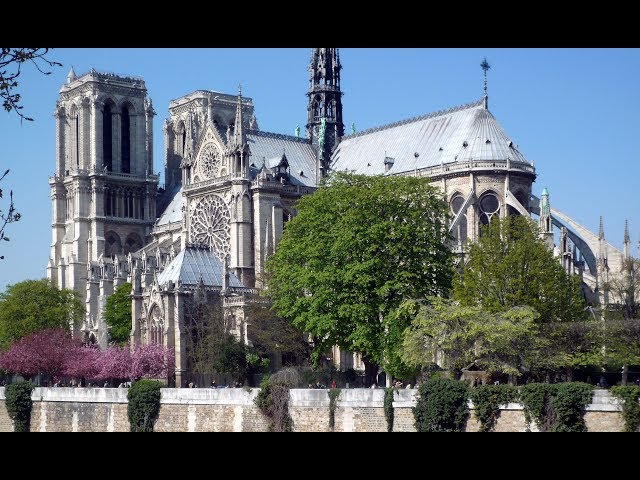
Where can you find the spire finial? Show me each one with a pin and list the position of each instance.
(486, 67)
(601, 232)
(240, 89)
(626, 232)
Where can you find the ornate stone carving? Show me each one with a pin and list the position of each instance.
(210, 224)
(208, 165)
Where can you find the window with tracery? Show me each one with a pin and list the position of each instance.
(489, 207)
(209, 162)
(459, 232)
(210, 224)
(156, 327)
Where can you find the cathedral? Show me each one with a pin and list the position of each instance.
(231, 187)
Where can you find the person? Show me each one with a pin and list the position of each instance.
(190, 384)
(333, 383)
(602, 383)
(213, 384)
(373, 385)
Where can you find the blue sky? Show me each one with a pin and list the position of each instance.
(574, 112)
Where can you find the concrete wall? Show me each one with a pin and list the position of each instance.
(233, 410)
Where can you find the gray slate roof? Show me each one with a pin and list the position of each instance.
(191, 264)
(173, 212)
(299, 154)
(438, 138)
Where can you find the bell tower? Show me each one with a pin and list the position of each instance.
(103, 193)
(324, 111)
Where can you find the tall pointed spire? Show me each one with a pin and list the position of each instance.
(238, 128)
(486, 67)
(546, 226)
(325, 104)
(601, 231)
(627, 241)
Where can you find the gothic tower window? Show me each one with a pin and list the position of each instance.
(133, 243)
(156, 327)
(107, 147)
(330, 109)
(460, 230)
(77, 146)
(112, 244)
(489, 206)
(107, 202)
(125, 140)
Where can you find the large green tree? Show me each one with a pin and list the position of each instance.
(35, 305)
(468, 334)
(510, 266)
(357, 248)
(117, 314)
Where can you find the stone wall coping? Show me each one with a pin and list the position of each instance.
(603, 401)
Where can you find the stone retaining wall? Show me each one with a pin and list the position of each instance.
(233, 410)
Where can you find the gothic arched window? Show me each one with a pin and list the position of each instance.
(107, 147)
(125, 140)
(112, 244)
(489, 206)
(460, 230)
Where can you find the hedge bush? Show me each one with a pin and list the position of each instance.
(441, 406)
(144, 405)
(19, 404)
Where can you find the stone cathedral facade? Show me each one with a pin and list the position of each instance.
(231, 187)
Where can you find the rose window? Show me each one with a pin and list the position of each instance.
(209, 163)
(210, 224)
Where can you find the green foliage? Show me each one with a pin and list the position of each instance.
(117, 314)
(35, 305)
(270, 333)
(441, 406)
(144, 405)
(629, 395)
(559, 407)
(569, 403)
(467, 334)
(232, 358)
(536, 400)
(273, 401)
(334, 393)
(487, 400)
(19, 404)
(388, 407)
(510, 266)
(357, 248)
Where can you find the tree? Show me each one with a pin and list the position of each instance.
(9, 217)
(34, 305)
(44, 352)
(468, 334)
(271, 333)
(117, 314)
(510, 266)
(11, 62)
(357, 248)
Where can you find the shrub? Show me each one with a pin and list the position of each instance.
(569, 403)
(334, 393)
(487, 400)
(441, 406)
(557, 408)
(19, 404)
(388, 407)
(273, 401)
(536, 401)
(629, 396)
(144, 405)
